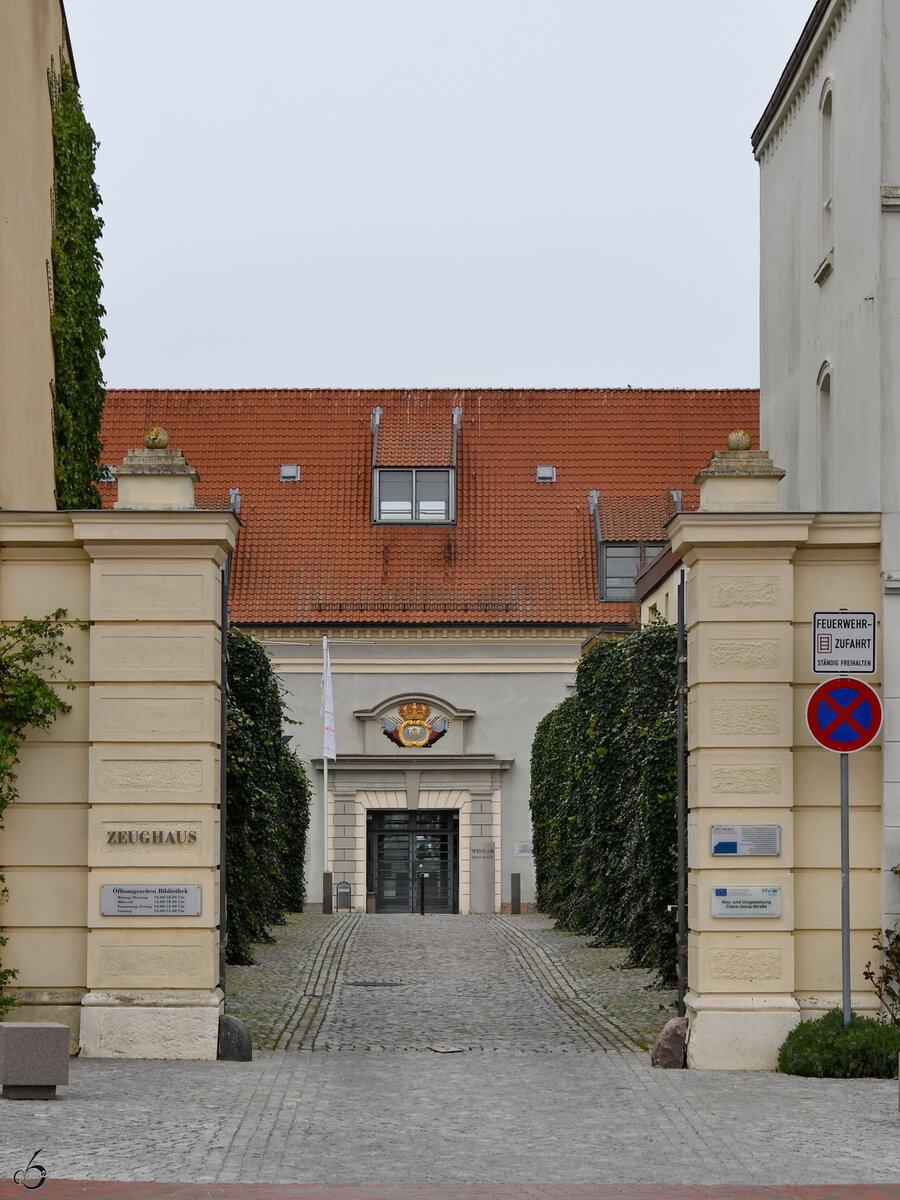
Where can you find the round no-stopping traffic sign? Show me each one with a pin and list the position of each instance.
(844, 715)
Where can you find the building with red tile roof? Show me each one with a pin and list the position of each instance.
(456, 546)
(515, 549)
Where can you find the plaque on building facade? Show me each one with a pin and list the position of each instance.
(746, 901)
(150, 900)
(743, 840)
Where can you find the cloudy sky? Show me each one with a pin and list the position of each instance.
(369, 193)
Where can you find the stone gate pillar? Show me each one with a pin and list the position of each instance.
(763, 838)
(154, 779)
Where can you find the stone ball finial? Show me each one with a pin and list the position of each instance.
(156, 438)
(739, 439)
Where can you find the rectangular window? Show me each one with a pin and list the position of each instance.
(619, 563)
(414, 494)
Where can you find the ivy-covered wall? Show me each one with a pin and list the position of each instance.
(603, 799)
(267, 813)
(76, 316)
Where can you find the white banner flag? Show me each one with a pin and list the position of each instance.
(327, 705)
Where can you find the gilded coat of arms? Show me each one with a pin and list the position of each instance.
(412, 726)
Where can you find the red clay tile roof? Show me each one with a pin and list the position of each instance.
(417, 434)
(520, 551)
(634, 518)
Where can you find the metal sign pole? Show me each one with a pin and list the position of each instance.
(845, 884)
(844, 715)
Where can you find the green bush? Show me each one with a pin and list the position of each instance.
(827, 1049)
(267, 813)
(603, 799)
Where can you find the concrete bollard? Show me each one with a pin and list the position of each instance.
(34, 1058)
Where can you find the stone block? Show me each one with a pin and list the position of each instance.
(751, 776)
(144, 873)
(34, 1059)
(151, 1026)
(129, 957)
(817, 833)
(817, 778)
(153, 712)
(817, 898)
(738, 1033)
(165, 589)
(755, 961)
(754, 652)
(730, 715)
(762, 873)
(720, 589)
(155, 651)
(159, 835)
(52, 773)
(42, 898)
(150, 774)
(56, 579)
(818, 957)
(700, 822)
(47, 958)
(41, 835)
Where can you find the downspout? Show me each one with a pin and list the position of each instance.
(223, 773)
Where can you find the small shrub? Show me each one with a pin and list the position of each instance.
(886, 978)
(827, 1049)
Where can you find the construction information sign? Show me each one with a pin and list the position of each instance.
(843, 643)
(745, 839)
(746, 901)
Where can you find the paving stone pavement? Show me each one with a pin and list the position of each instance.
(448, 1050)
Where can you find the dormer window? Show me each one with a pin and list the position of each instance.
(628, 532)
(423, 494)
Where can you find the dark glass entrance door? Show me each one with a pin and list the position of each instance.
(405, 848)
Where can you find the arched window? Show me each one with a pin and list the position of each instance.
(826, 183)
(826, 439)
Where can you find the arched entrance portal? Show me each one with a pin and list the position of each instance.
(413, 857)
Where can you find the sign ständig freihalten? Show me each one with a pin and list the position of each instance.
(843, 643)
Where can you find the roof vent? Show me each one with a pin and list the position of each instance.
(545, 475)
(290, 473)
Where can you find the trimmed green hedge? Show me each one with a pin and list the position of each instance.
(603, 799)
(267, 814)
(828, 1049)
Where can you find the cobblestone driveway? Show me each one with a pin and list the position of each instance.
(455, 1051)
(411, 982)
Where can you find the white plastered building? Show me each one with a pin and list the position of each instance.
(828, 147)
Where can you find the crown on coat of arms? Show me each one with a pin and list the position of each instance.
(412, 727)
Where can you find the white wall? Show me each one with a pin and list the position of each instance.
(511, 683)
(804, 323)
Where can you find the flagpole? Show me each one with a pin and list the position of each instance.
(328, 751)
